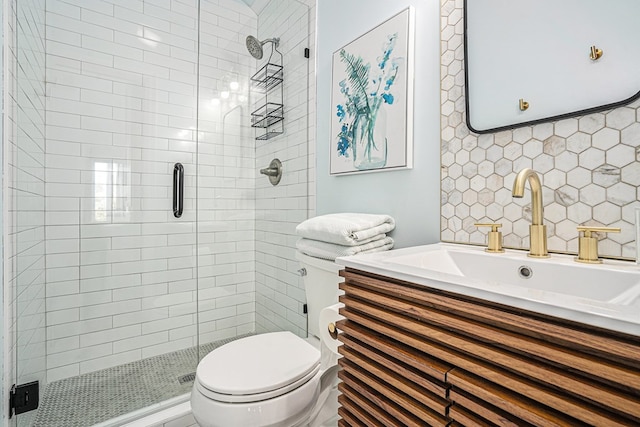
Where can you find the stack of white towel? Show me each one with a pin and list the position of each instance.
(335, 235)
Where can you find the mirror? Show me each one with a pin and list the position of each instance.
(530, 61)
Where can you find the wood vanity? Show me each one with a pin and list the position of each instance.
(415, 355)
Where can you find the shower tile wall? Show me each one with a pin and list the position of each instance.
(121, 110)
(279, 288)
(24, 156)
(226, 174)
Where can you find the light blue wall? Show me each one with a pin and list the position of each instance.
(410, 196)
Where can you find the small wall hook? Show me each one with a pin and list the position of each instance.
(523, 104)
(595, 53)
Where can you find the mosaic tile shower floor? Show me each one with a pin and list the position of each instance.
(96, 397)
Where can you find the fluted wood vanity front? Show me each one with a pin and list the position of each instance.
(415, 355)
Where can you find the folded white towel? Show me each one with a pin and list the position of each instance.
(332, 251)
(345, 228)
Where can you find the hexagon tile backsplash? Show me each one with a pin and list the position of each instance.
(588, 166)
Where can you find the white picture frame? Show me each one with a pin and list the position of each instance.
(372, 99)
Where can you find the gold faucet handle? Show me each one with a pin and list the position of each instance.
(588, 244)
(495, 237)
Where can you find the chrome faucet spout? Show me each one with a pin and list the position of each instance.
(537, 229)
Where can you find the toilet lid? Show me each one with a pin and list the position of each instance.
(257, 364)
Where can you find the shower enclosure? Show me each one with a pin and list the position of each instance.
(111, 295)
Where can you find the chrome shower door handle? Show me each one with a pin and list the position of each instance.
(178, 190)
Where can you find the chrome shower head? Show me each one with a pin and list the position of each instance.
(254, 46)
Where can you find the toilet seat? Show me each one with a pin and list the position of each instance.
(257, 368)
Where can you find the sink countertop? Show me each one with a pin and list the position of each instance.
(618, 313)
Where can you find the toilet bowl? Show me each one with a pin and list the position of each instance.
(274, 379)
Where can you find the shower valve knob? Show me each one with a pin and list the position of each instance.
(302, 272)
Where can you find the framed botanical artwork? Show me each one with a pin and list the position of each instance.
(372, 99)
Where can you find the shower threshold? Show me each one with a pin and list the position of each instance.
(96, 397)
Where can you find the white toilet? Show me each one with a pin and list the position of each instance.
(276, 379)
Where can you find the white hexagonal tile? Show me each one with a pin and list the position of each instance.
(521, 163)
(485, 168)
(543, 163)
(626, 235)
(591, 158)
(495, 182)
(494, 153)
(448, 210)
(555, 212)
(448, 107)
(521, 228)
(554, 179)
(448, 184)
(629, 211)
(566, 195)
(447, 235)
(477, 155)
(494, 211)
(512, 241)
(462, 210)
(606, 138)
(486, 197)
(607, 213)
(578, 142)
(621, 194)
(579, 177)
(579, 213)
(543, 131)
(503, 196)
(454, 223)
(512, 212)
(470, 197)
(621, 117)
(592, 194)
(448, 158)
(566, 230)
(566, 161)
(512, 150)
(522, 134)
(631, 174)
(462, 183)
(478, 183)
(567, 127)
(606, 175)
(621, 155)
(448, 134)
(447, 83)
(503, 167)
(485, 140)
(454, 171)
(478, 211)
(454, 67)
(462, 131)
(503, 138)
(631, 135)
(469, 143)
(470, 170)
(557, 244)
(532, 148)
(455, 197)
(591, 123)
(608, 247)
(462, 157)
(454, 119)
(554, 145)
(454, 93)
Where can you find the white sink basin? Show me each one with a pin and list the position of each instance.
(606, 295)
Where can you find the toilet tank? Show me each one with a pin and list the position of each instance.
(321, 287)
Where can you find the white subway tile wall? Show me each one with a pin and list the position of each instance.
(122, 108)
(24, 160)
(279, 289)
(588, 166)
